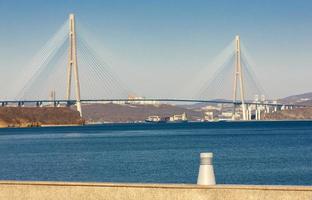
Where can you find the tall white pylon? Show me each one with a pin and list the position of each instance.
(238, 76)
(72, 64)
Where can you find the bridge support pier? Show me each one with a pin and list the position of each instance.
(248, 112)
(258, 113)
(267, 109)
(39, 104)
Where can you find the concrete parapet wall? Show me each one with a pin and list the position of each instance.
(111, 191)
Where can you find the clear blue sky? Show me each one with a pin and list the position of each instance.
(152, 44)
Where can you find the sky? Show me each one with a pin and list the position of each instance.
(158, 47)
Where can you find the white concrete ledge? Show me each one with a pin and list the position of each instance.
(120, 191)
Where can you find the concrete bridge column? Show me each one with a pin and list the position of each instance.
(68, 103)
(258, 114)
(248, 112)
(39, 104)
(267, 109)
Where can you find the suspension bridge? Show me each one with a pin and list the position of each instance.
(56, 75)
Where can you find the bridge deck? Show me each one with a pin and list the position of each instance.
(62, 101)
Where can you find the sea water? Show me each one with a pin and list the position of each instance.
(244, 152)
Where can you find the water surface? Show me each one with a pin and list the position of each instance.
(245, 152)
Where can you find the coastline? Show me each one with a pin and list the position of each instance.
(190, 124)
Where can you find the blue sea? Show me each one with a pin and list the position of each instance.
(275, 153)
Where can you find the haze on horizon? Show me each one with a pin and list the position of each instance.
(158, 47)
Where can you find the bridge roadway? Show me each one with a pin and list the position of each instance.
(72, 102)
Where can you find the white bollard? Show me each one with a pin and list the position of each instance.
(206, 174)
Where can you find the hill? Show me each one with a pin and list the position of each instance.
(295, 114)
(303, 99)
(38, 116)
(132, 112)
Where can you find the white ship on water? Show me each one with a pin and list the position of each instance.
(174, 119)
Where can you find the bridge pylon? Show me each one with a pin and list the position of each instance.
(238, 79)
(72, 65)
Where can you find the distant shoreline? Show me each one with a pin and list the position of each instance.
(145, 125)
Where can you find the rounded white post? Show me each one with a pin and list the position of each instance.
(206, 174)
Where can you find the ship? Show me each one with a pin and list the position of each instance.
(179, 118)
(172, 119)
(157, 119)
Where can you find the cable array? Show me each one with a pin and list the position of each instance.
(47, 72)
(220, 85)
